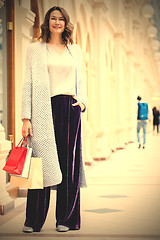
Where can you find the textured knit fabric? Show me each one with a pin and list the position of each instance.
(36, 106)
(61, 68)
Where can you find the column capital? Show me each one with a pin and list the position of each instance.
(28, 22)
(30, 16)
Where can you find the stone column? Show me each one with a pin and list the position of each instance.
(100, 151)
(24, 21)
(86, 134)
(6, 202)
(120, 89)
(86, 129)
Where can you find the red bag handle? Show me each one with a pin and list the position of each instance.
(22, 141)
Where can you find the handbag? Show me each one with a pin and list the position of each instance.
(26, 166)
(35, 178)
(16, 159)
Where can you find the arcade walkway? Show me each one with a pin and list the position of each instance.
(122, 201)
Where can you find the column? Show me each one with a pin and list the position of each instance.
(100, 151)
(132, 109)
(86, 124)
(24, 21)
(86, 135)
(120, 90)
(6, 202)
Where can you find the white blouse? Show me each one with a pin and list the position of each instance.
(62, 72)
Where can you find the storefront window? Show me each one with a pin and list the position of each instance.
(3, 64)
(1, 86)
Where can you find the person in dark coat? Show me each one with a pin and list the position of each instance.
(155, 119)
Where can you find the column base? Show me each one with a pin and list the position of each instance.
(15, 192)
(88, 163)
(22, 192)
(6, 206)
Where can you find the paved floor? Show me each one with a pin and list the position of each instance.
(121, 202)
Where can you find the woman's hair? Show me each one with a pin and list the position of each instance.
(67, 35)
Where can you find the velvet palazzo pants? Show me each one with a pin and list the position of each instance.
(67, 125)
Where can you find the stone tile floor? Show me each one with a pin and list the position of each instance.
(121, 202)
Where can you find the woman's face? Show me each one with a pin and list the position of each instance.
(56, 22)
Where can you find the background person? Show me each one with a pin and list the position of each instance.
(155, 119)
(142, 120)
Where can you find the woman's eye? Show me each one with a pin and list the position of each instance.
(60, 19)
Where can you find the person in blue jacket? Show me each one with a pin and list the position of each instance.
(142, 120)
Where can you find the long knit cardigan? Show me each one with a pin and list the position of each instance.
(36, 106)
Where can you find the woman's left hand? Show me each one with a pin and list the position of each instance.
(82, 106)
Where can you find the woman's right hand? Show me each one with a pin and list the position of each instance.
(26, 128)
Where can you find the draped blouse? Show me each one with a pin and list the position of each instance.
(61, 69)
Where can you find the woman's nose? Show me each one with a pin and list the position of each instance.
(57, 20)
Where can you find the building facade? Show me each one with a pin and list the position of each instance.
(120, 61)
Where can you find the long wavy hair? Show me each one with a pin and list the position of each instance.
(67, 35)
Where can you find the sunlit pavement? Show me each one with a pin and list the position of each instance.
(122, 200)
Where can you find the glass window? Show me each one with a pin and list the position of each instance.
(1, 86)
(3, 72)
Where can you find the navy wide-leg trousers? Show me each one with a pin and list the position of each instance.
(67, 125)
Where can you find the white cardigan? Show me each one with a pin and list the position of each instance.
(36, 106)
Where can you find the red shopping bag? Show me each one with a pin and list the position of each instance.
(16, 159)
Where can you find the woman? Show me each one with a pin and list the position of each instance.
(54, 96)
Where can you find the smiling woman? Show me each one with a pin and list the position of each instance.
(54, 95)
(68, 28)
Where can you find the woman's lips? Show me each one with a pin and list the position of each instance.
(56, 27)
